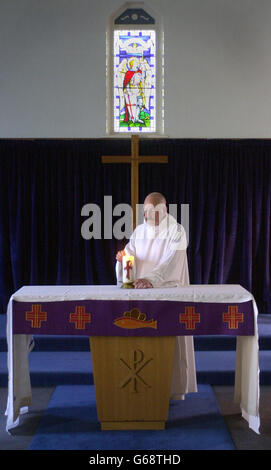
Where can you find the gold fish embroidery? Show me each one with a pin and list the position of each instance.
(134, 319)
(132, 323)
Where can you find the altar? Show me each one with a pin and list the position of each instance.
(132, 334)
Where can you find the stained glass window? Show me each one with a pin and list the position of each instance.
(135, 71)
(134, 80)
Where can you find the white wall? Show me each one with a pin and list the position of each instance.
(217, 67)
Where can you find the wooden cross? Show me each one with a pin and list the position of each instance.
(135, 159)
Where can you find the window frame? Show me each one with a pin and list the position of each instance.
(158, 28)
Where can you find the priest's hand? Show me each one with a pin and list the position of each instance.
(120, 255)
(142, 284)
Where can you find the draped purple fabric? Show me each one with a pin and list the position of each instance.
(45, 183)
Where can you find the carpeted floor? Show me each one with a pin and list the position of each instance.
(70, 422)
(242, 437)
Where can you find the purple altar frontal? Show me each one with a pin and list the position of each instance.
(102, 317)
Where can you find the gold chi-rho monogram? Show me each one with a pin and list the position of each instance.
(135, 368)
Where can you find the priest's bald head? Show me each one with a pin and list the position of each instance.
(155, 208)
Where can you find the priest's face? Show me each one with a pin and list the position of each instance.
(153, 214)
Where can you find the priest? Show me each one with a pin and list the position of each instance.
(159, 248)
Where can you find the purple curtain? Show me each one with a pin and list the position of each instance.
(45, 183)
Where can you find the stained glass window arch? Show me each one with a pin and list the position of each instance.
(135, 71)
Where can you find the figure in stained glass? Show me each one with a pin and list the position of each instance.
(134, 80)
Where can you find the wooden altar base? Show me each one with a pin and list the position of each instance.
(132, 378)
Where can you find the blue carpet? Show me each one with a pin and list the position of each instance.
(70, 422)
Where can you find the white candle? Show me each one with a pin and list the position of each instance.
(128, 267)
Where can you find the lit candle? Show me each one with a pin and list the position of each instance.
(128, 266)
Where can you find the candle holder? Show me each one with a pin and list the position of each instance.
(128, 285)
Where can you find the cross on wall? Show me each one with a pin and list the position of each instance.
(135, 160)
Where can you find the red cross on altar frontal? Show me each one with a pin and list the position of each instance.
(36, 316)
(80, 318)
(190, 318)
(233, 317)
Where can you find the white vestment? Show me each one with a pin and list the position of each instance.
(160, 256)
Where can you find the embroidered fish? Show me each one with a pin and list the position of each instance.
(133, 323)
(134, 319)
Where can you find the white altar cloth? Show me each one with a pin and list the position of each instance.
(246, 391)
